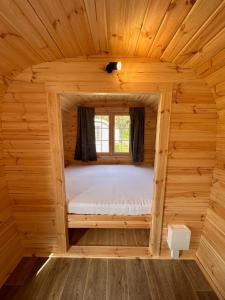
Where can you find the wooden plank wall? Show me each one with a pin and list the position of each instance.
(211, 252)
(28, 166)
(27, 149)
(10, 247)
(191, 160)
(69, 126)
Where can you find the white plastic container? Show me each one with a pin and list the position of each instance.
(178, 239)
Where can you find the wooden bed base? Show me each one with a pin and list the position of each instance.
(108, 221)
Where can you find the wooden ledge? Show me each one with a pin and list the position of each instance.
(108, 221)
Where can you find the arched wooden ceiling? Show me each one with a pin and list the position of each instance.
(186, 32)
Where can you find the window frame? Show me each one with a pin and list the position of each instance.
(112, 114)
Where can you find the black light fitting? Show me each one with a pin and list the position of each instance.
(113, 65)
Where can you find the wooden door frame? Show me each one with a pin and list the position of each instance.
(161, 152)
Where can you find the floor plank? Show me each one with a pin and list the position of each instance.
(138, 286)
(52, 287)
(209, 295)
(95, 288)
(37, 285)
(109, 237)
(108, 279)
(77, 276)
(117, 287)
(25, 270)
(159, 285)
(196, 278)
(178, 281)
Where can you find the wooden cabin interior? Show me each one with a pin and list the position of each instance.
(112, 149)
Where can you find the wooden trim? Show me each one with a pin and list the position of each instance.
(160, 168)
(108, 221)
(109, 251)
(55, 128)
(163, 125)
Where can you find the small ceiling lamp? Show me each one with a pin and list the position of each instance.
(113, 65)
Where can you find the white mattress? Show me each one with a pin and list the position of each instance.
(109, 189)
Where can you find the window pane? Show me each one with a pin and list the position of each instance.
(105, 146)
(102, 133)
(122, 122)
(98, 146)
(122, 134)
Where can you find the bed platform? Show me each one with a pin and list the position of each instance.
(109, 221)
(109, 196)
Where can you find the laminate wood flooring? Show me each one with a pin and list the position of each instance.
(106, 279)
(109, 237)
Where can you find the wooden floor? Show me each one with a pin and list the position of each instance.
(109, 237)
(96, 279)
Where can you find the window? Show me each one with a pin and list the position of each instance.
(112, 134)
(121, 134)
(102, 133)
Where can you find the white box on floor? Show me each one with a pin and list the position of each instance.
(178, 239)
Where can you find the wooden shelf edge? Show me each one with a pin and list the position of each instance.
(107, 221)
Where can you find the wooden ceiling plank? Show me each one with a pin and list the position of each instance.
(198, 15)
(209, 50)
(214, 24)
(57, 24)
(115, 12)
(152, 22)
(125, 19)
(78, 20)
(25, 22)
(96, 11)
(19, 53)
(133, 20)
(174, 16)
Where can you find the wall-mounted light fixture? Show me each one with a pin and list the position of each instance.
(113, 65)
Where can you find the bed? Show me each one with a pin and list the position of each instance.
(121, 190)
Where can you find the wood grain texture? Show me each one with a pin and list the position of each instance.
(27, 151)
(211, 249)
(191, 159)
(106, 279)
(108, 221)
(190, 33)
(10, 247)
(28, 166)
(179, 31)
(109, 237)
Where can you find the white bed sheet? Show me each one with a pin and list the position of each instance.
(109, 189)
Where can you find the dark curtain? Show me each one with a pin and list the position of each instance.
(85, 147)
(137, 117)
